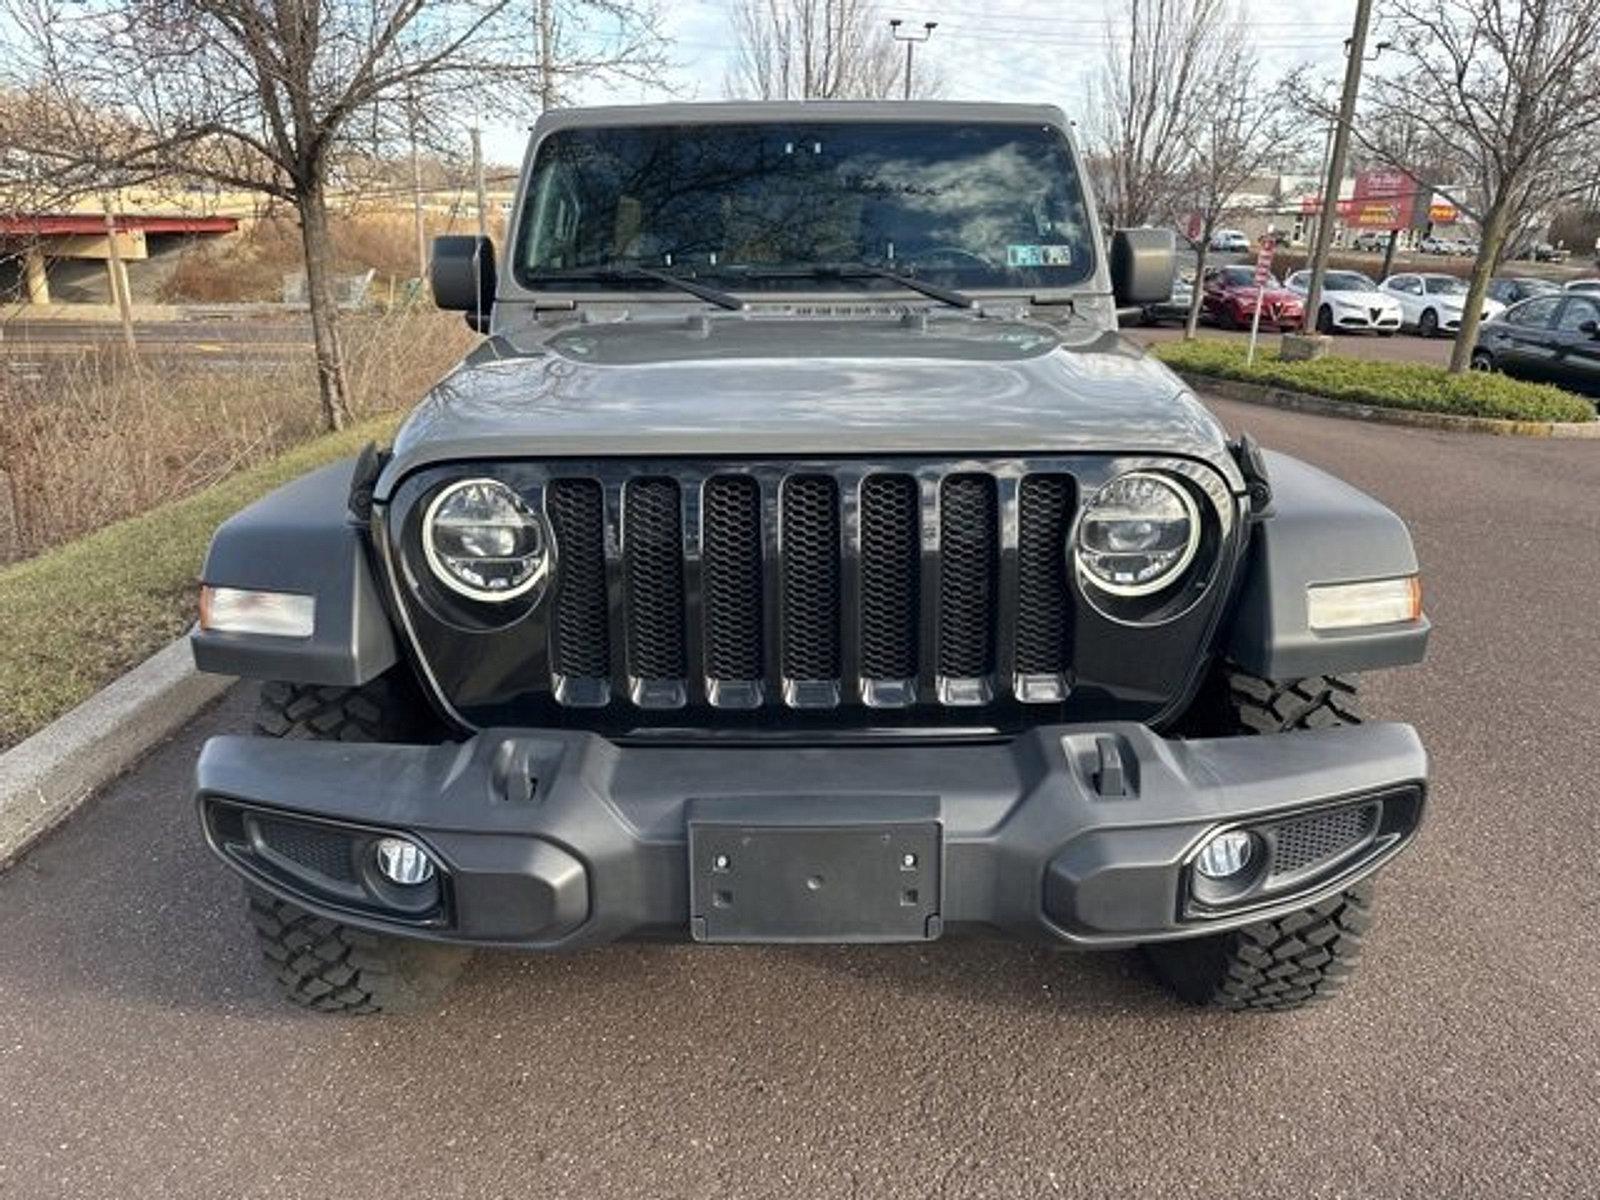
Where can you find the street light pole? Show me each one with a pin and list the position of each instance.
(1355, 55)
(912, 41)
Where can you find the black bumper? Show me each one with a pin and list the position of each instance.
(550, 838)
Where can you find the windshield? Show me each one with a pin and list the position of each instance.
(1444, 285)
(753, 206)
(1348, 281)
(1245, 277)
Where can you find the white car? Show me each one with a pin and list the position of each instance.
(1230, 241)
(1350, 301)
(1582, 285)
(1433, 245)
(1432, 304)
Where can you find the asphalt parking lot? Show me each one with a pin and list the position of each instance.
(142, 1055)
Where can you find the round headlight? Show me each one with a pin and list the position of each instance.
(1137, 534)
(482, 541)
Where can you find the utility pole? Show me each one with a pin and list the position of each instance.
(546, 36)
(416, 191)
(118, 272)
(477, 182)
(1355, 55)
(912, 41)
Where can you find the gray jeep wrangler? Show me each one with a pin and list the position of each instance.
(804, 557)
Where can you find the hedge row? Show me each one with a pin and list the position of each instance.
(1387, 384)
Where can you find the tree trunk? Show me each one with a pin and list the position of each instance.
(1495, 229)
(332, 385)
(1197, 295)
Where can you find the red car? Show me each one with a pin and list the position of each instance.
(1230, 300)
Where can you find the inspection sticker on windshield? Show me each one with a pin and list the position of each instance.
(1039, 256)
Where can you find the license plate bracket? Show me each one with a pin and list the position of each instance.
(775, 876)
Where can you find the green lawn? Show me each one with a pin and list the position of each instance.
(1387, 384)
(76, 617)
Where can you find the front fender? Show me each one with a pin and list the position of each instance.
(301, 538)
(1320, 530)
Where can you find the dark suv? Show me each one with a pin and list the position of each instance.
(804, 557)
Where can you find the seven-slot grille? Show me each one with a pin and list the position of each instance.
(743, 586)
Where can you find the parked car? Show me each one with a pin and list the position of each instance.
(1230, 300)
(1230, 241)
(1433, 245)
(1545, 252)
(1548, 339)
(1370, 241)
(911, 603)
(1431, 304)
(1517, 288)
(1350, 302)
(1174, 308)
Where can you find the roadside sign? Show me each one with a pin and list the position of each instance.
(1264, 257)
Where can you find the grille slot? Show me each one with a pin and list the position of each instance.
(811, 577)
(316, 849)
(1310, 841)
(1043, 612)
(652, 564)
(580, 633)
(731, 565)
(891, 568)
(969, 570)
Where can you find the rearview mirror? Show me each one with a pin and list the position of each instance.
(1143, 262)
(463, 278)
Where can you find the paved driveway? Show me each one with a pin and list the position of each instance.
(141, 1055)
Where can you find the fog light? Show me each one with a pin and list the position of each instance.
(1225, 855)
(403, 861)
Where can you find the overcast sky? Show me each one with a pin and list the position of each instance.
(1025, 50)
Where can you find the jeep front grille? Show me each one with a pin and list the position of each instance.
(740, 585)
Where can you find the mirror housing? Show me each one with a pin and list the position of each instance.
(1143, 265)
(462, 275)
(1592, 328)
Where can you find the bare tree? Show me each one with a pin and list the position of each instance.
(1511, 92)
(816, 50)
(1243, 130)
(268, 97)
(1148, 115)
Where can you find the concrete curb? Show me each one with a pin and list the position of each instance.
(1354, 410)
(44, 779)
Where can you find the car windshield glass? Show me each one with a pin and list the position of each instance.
(986, 205)
(1349, 281)
(1245, 277)
(1444, 285)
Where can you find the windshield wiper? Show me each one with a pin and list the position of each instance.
(620, 274)
(854, 270)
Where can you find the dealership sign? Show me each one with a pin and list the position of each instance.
(1386, 199)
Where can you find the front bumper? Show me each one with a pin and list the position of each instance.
(551, 838)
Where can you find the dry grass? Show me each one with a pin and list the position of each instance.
(97, 439)
(252, 266)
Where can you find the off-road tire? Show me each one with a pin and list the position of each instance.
(1284, 963)
(386, 709)
(336, 968)
(1272, 966)
(324, 964)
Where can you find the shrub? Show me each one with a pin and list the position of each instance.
(1412, 386)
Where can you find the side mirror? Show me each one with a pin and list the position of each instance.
(1143, 263)
(463, 277)
(1592, 328)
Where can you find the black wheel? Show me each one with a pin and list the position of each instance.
(321, 963)
(1283, 963)
(1482, 360)
(1428, 324)
(1324, 319)
(335, 968)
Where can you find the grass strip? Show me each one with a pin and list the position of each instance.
(1414, 386)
